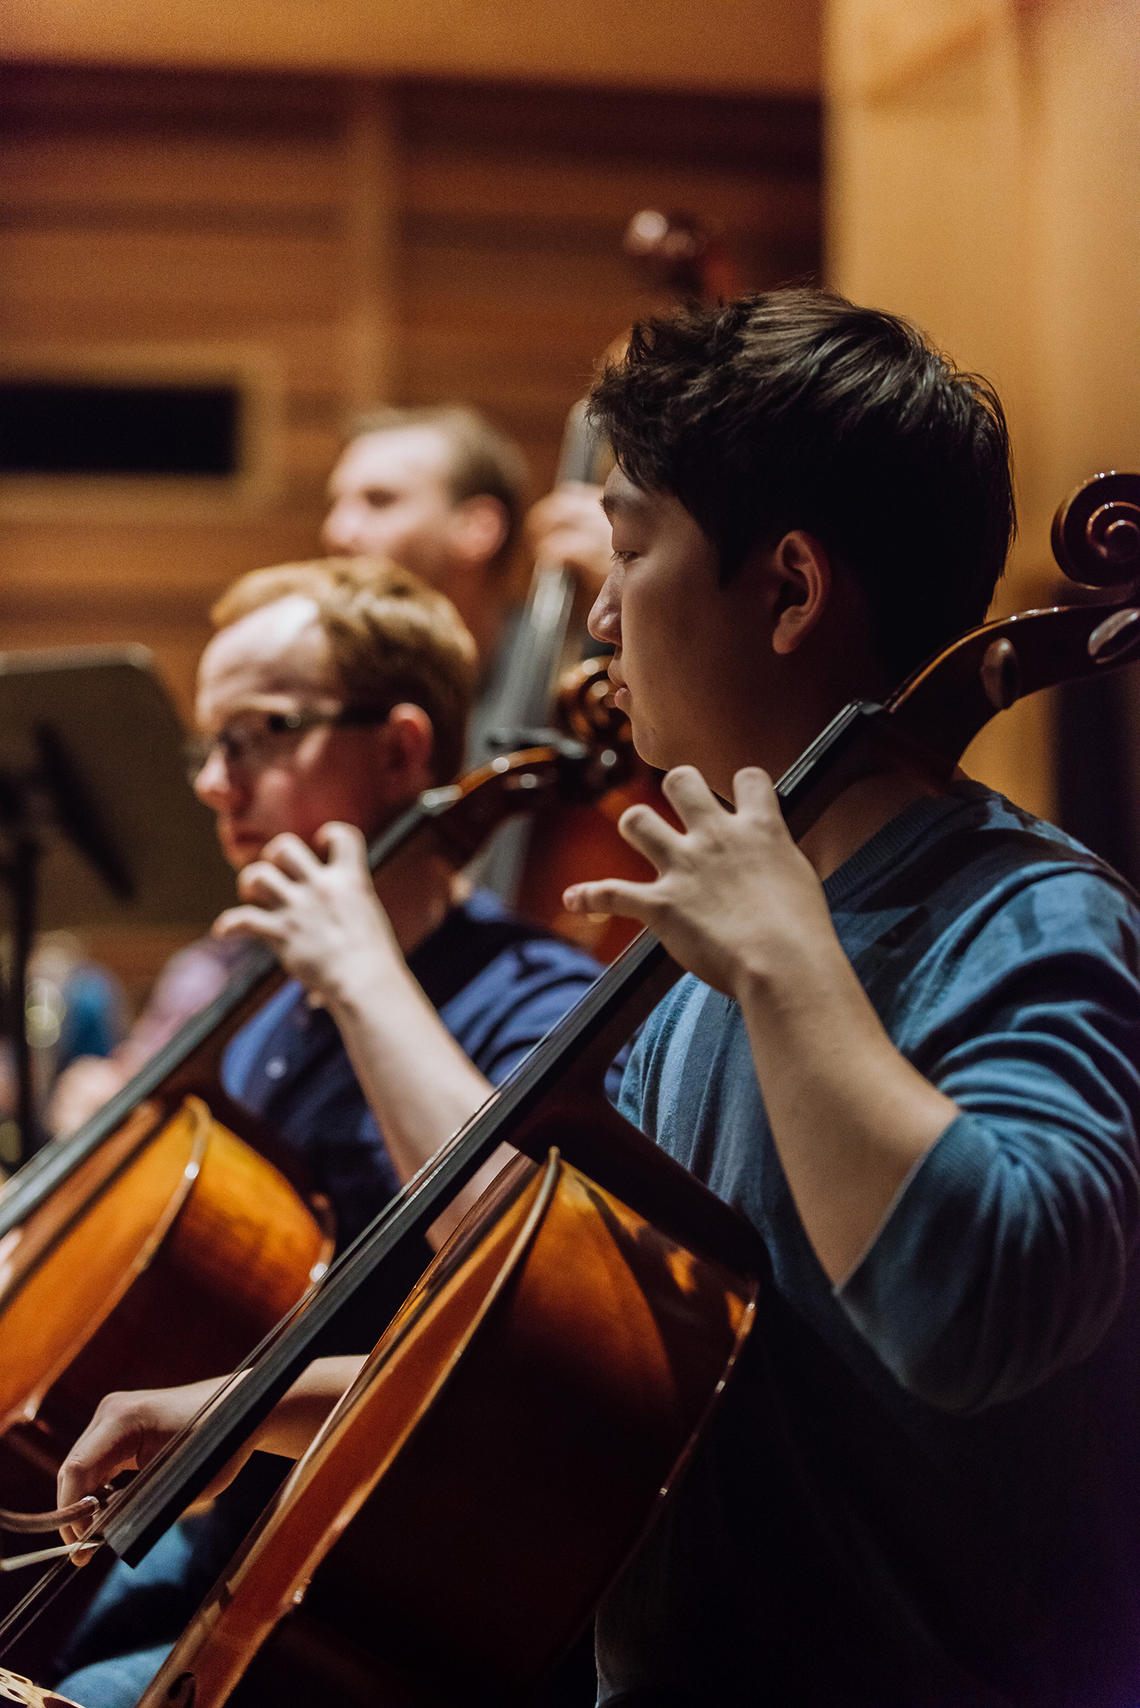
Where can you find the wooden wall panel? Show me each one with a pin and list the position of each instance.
(161, 169)
(984, 179)
(513, 278)
(751, 45)
(155, 222)
(249, 277)
(424, 240)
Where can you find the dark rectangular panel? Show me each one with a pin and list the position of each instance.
(63, 427)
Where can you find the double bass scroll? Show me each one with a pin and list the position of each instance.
(678, 258)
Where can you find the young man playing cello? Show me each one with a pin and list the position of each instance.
(907, 1050)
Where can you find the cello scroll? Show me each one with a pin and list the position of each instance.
(1096, 541)
(1096, 531)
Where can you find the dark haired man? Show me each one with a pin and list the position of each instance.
(910, 1054)
(907, 1050)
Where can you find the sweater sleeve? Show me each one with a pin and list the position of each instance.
(513, 1003)
(1003, 1259)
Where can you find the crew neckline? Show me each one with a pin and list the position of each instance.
(898, 837)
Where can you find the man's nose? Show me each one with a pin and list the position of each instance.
(604, 620)
(338, 530)
(216, 784)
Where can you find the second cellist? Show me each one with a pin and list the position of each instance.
(338, 691)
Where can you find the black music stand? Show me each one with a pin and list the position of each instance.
(98, 824)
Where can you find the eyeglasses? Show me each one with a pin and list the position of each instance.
(261, 737)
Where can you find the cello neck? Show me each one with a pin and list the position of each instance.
(539, 644)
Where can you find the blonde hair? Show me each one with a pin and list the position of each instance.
(392, 638)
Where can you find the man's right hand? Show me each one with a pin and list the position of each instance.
(129, 1429)
(126, 1432)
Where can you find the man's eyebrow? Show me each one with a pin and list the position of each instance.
(614, 502)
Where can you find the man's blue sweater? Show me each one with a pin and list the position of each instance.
(922, 1489)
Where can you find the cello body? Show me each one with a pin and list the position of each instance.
(456, 1521)
(581, 841)
(174, 1248)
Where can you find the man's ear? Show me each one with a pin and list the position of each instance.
(407, 748)
(479, 527)
(800, 569)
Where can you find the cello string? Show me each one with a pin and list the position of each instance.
(37, 1600)
(39, 1556)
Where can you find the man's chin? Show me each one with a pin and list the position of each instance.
(240, 851)
(648, 749)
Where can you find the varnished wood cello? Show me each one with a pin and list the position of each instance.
(932, 718)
